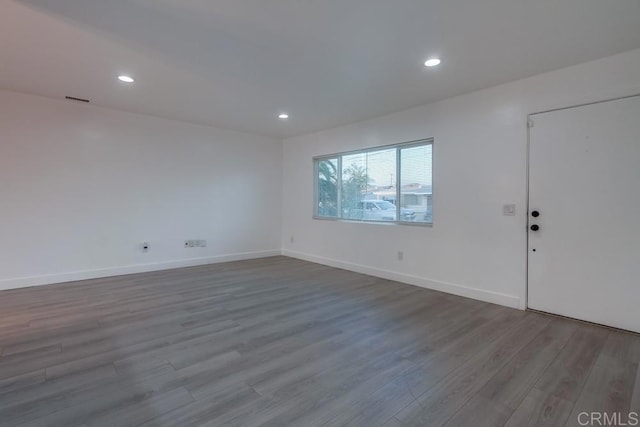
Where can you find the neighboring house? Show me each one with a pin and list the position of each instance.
(417, 197)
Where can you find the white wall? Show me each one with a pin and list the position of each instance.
(81, 187)
(480, 158)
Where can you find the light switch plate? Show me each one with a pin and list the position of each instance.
(509, 210)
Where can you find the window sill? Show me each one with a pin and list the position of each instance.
(354, 221)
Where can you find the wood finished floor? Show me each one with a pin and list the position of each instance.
(279, 342)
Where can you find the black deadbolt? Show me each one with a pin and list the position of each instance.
(535, 214)
(535, 227)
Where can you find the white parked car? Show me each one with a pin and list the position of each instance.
(380, 210)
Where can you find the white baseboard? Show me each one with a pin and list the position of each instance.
(23, 282)
(451, 288)
(461, 290)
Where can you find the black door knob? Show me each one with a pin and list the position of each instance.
(535, 227)
(535, 214)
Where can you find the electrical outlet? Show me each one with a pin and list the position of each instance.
(195, 243)
(144, 247)
(509, 210)
(400, 255)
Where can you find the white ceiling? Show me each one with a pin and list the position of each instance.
(237, 63)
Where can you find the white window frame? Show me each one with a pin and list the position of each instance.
(338, 157)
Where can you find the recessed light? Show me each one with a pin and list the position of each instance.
(126, 79)
(432, 62)
(283, 116)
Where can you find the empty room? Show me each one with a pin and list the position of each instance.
(319, 213)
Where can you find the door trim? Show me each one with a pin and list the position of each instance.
(528, 180)
(584, 104)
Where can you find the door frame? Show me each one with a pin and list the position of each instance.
(530, 124)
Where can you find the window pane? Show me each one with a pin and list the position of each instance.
(354, 185)
(368, 185)
(327, 188)
(381, 168)
(416, 195)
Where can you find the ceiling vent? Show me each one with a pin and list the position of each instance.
(73, 98)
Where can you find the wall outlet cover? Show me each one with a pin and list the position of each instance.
(509, 210)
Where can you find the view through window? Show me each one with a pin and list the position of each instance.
(391, 183)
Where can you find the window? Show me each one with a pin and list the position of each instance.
(327, 188)
(385, 184)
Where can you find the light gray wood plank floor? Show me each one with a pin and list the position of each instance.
(279, 342)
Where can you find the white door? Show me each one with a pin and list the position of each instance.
(584, 200)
